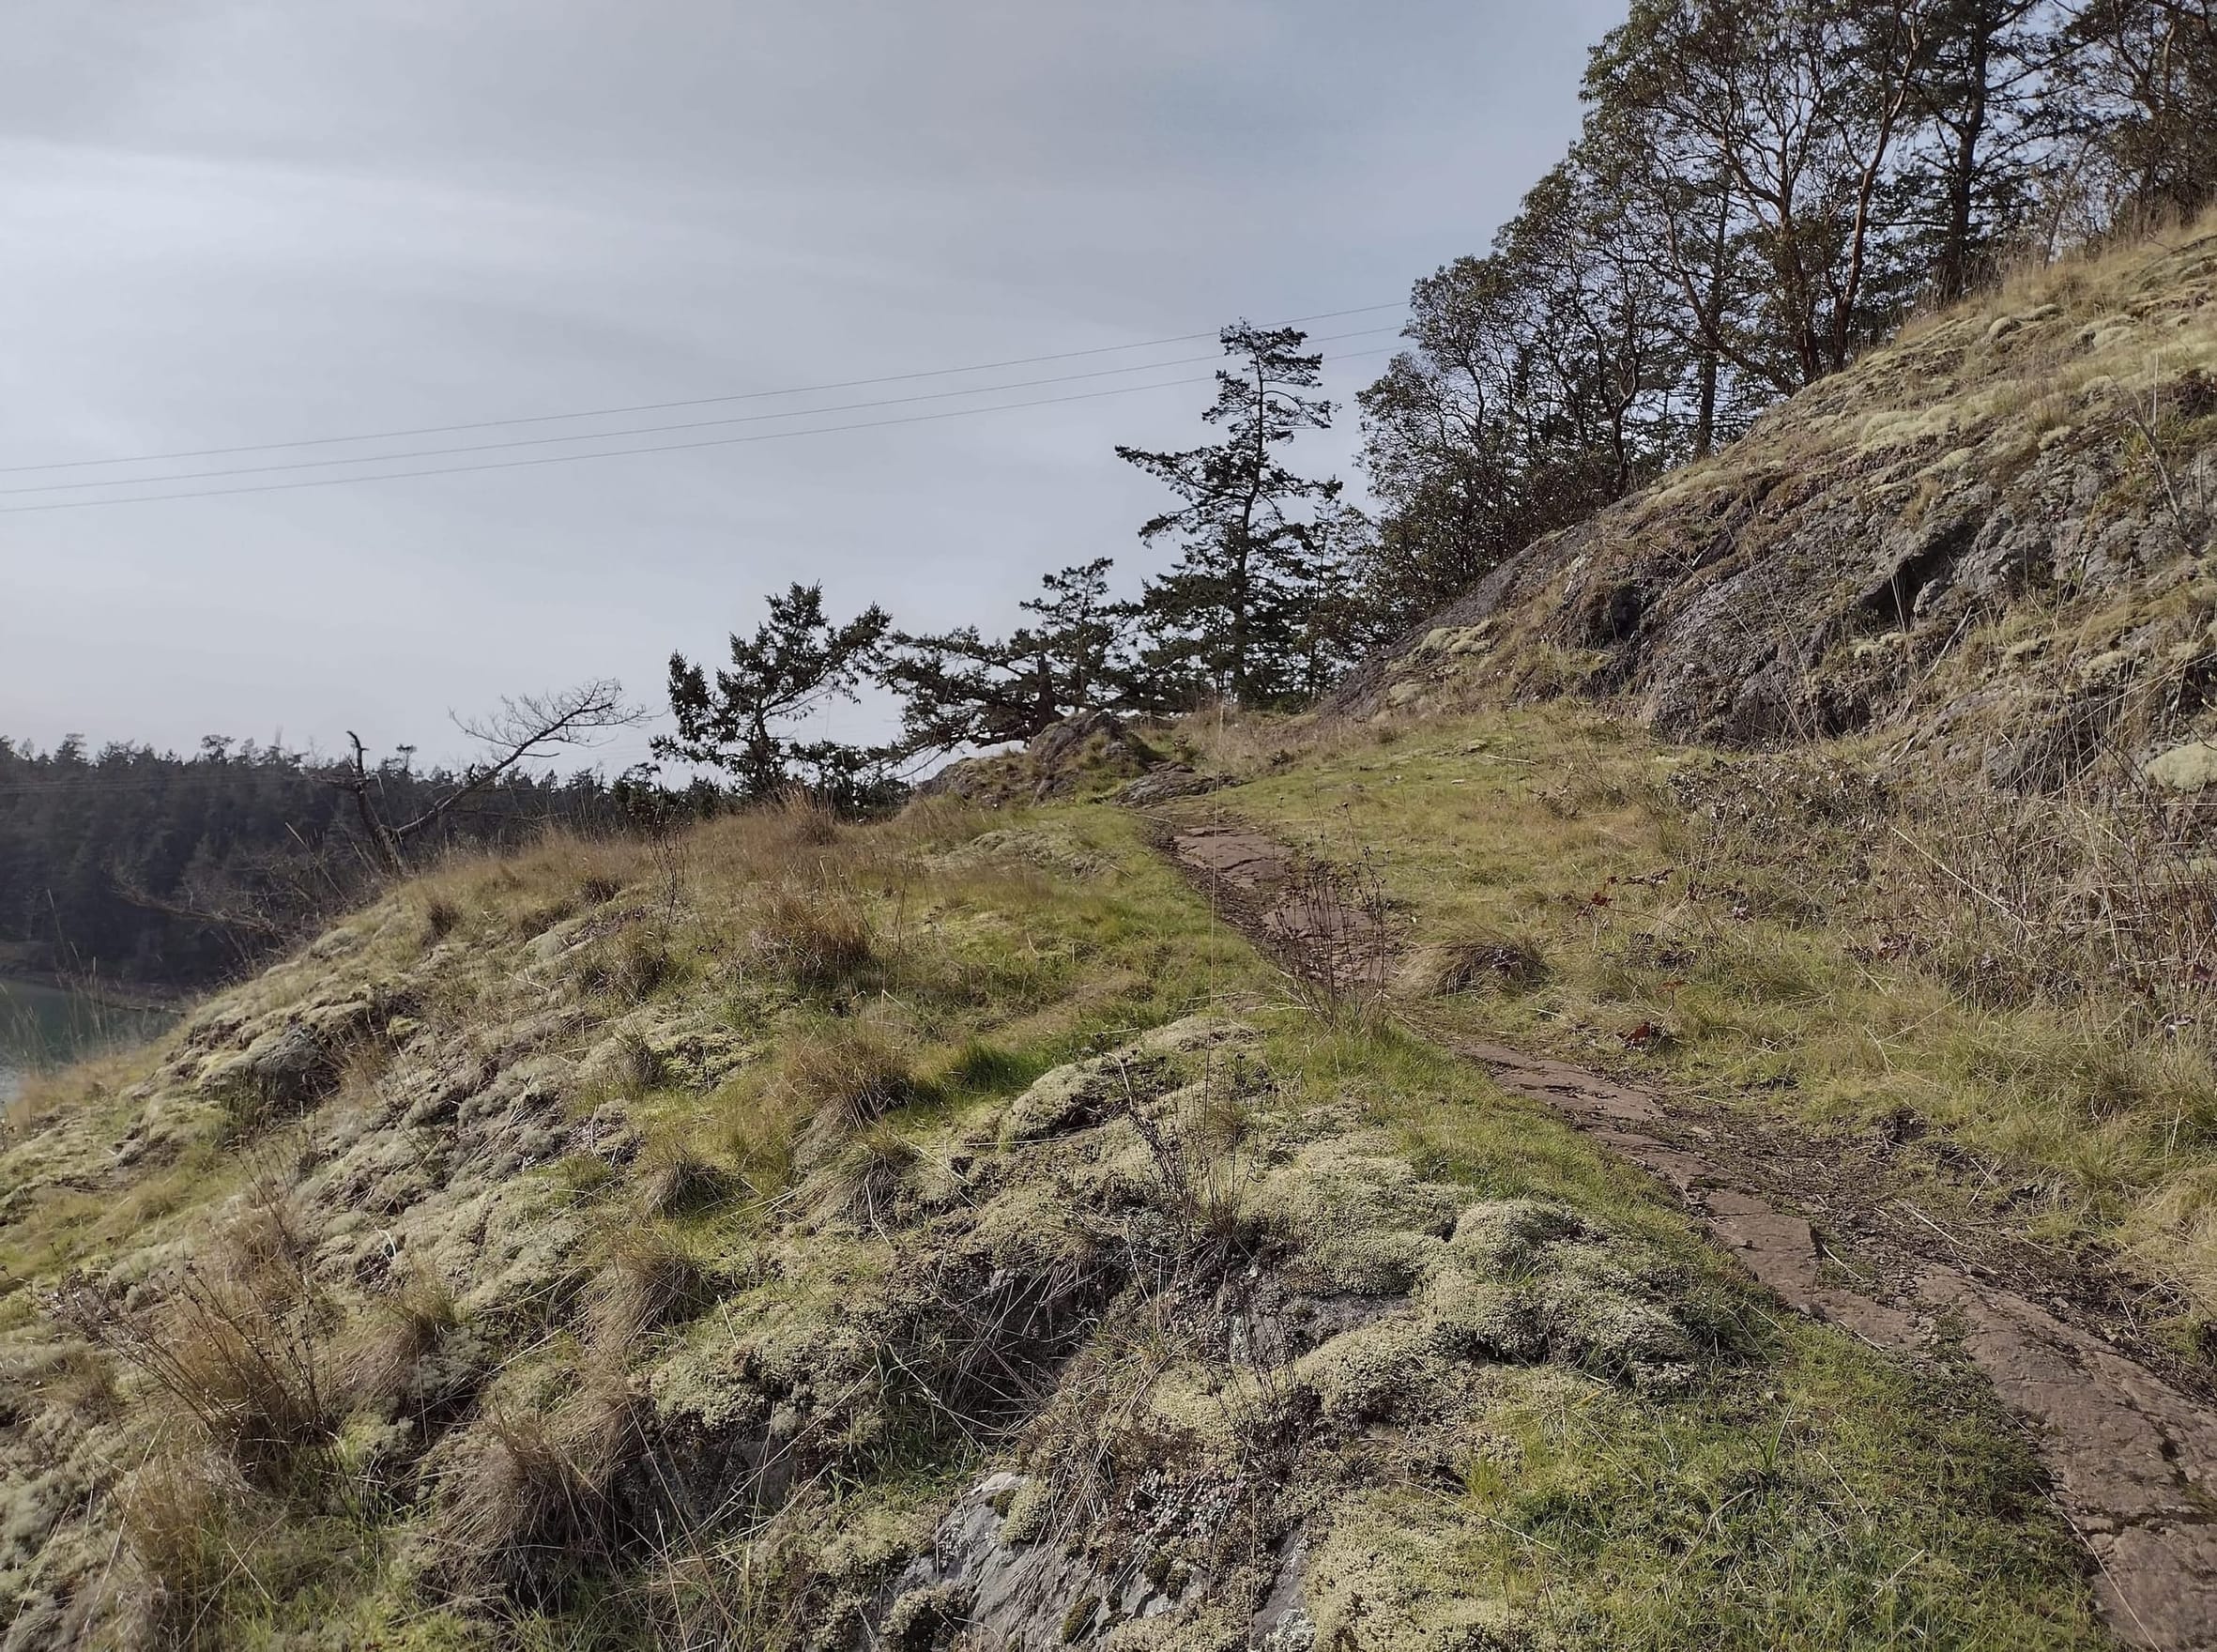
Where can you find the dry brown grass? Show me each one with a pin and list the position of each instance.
(817, 935)
(2072, 941)
(91, 1082)
(1101, 1431)
(865, 1181)
(525, 1506)
(650, 1278)
(2105, 892)
(840, 1081)
(1488, 963)
(674, 1180)
(442, 916)
(1241, 744)
(629, 966)
(400, 1330)
(792, 840)
(755, 1590)
(180, 1512)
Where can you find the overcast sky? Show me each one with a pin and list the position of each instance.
(225, 223)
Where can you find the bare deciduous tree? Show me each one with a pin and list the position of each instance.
(524, 727)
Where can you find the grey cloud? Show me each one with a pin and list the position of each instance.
(234, 223)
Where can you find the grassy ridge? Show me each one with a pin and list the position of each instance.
(628, 1178)
(2023, 974)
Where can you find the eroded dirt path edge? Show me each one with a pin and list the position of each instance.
(2133, 1458)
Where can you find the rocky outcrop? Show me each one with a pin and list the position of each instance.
(1082, 753)
(1988, 536)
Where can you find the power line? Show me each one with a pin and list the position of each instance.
(769, 436)
(541, 441)
(663, 407)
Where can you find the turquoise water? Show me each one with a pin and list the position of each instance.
(40, 1026)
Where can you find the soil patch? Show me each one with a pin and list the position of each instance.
(1326, 925)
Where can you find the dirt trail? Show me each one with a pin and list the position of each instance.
(2132, 1457)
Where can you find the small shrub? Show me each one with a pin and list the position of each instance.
(241, 1350)
(1204, 1179)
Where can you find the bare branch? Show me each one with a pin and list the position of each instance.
(524, 727)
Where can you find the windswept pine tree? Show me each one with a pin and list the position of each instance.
(1232, 616)
(798, 662)
(961, 688)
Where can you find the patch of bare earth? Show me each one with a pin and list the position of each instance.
(1833, 1228)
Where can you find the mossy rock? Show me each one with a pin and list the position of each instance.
(2189, 768)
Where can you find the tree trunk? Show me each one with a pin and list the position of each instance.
(1970, 128)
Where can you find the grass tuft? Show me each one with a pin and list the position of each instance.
(1471, 964)
(840, 1082)
(676, 1182)
(650, 1279)
(820, 937)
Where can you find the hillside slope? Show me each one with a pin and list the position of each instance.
(794, 1234)
(1985, 539)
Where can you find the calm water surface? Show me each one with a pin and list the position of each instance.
(40, 1026)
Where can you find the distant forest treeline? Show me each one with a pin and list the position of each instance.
(148, 870)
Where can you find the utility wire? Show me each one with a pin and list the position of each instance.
(587, 436)
(847, 384)
(721, 441)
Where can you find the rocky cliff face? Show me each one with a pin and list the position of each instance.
(1987, 540)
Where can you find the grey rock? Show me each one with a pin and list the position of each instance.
(1163, 785)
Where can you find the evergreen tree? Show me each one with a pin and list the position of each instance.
(961, 688)
(798, 662)
(1974, 162)
(1229, 617)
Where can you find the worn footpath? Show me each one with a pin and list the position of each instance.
(2131, 1451)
